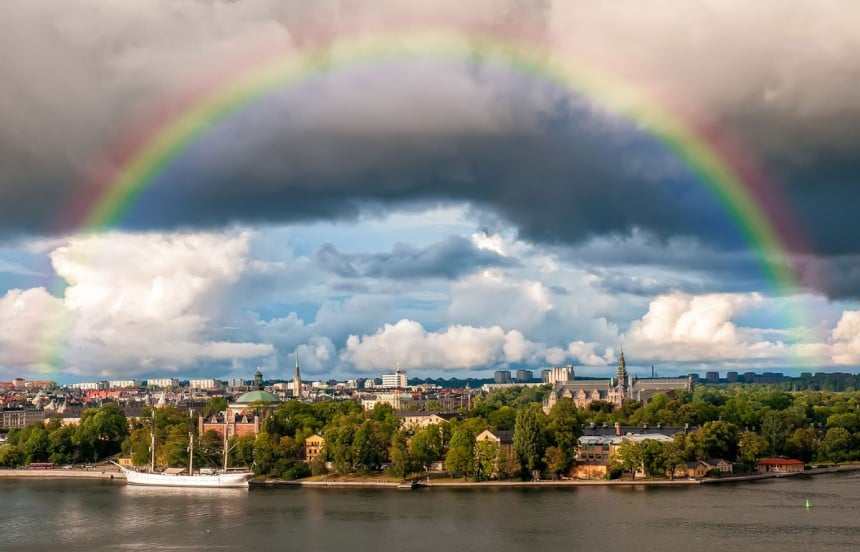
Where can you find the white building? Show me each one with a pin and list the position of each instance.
(397, 380)
(124, 384)
(206, 383)
(91, 385)
(163, 382)
(559, 374)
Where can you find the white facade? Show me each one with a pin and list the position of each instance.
(163, 382)
(206, 383)
(90, 385)
(397, 380)
(124, 384)
(560, 374)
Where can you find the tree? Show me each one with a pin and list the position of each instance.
(101, 431)
(371, 444)
(11, 456)
(720, 439)
(563, 430)
(803, 444)
(628, 457)
(339, 436)
(752, 446)
(776, 428)
(460, 459)
(838, 443)
(401, 461)
(213, 406)
(486, 459)
(264, 454)
(653, 457)
(426, 446)
(528, 441)
(674, 455)
(503, 419)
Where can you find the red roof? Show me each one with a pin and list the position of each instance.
(773, 461)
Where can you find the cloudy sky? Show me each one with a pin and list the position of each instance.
(444, 213)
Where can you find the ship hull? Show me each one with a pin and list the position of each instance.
(221, 480)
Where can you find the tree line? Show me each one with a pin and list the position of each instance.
(737, 424)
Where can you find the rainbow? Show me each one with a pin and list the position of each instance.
(719, 162)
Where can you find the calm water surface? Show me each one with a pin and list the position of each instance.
(761, 516)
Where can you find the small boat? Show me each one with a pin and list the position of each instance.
(177, 477)
(407, 485)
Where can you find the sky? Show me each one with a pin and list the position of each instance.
(451, 214)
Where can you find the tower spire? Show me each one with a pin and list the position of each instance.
(297, 379)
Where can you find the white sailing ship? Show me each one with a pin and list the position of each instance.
(173, 477)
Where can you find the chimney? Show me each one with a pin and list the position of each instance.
(617, 429)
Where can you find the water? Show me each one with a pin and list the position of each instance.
(759, 516)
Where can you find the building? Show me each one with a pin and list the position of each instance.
(525, 376)
(613, 391)
(204, 383)
(297, 379)
(397, 401)
(245, 415)
(559, 374)
(124, 384)
(504, 444)
(593, 455)
(502, 376)
(313, 447)
(21, 417)
(397, 380)
(776, 464)
(731, 377)
(163, 382)
(419, 420)
(712, 377)
(91, 385)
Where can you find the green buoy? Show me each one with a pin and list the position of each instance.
(807, 504)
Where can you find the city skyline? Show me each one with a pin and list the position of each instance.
(528, 185)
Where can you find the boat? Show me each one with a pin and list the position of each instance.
(176, 477)
(407, 485)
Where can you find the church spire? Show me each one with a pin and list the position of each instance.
(621, 373)
(297, 379)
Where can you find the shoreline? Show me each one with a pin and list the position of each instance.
(117, 475)
(63, 474)
(379, 484)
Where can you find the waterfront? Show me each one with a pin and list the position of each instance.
(754, 516)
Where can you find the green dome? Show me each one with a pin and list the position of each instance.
(257, 397)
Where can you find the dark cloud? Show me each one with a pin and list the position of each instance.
(781, 75)
(451, 258)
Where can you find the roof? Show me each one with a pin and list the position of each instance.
(776, 461)
(257, 397)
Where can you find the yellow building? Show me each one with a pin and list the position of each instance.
(313, 447)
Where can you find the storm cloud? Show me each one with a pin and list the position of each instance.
(780, 75)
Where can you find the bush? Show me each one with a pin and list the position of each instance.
(613, 473)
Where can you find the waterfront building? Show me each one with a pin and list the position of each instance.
(777, 464)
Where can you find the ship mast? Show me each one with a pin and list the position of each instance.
(152, 443)
(191, 445)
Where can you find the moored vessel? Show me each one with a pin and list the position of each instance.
(175, 477)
